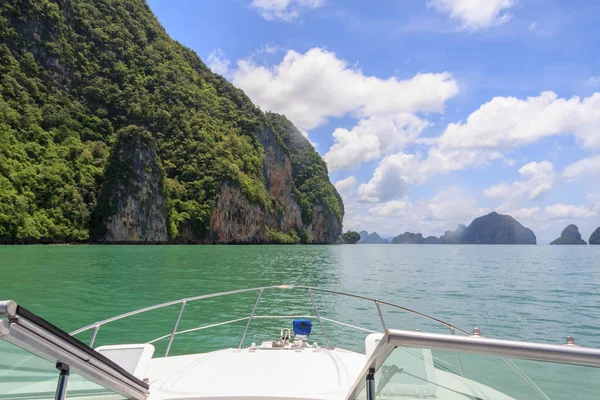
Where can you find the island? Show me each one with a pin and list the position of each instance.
(350, 237)
(414, 238)
(492, 228)
(595, 237)
(569, 235)
(453, 237)
(495, 228)
(371, 238)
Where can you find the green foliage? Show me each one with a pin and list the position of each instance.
(276, 237)
(350, 237)
(74, 72)
(309, 171)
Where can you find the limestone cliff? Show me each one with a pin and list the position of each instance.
(132, 205)
(569, 235)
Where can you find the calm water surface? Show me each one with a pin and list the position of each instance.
(541, 293)
(528, 292)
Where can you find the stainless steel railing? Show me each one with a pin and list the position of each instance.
(27, 331)
(260, 290)
(504, 349)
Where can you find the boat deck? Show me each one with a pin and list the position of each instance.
(307, 373)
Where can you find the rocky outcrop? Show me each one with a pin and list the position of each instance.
(371, 238)
(497, 229)
(595, 237)
(569, 235)
(408, 238)
(453, 237)
(132, 205)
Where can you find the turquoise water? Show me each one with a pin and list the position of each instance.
(539, 293)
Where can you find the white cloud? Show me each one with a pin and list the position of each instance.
(525, 213)
(393, 208)
(397, 171)
(309, 88)
(433, 216)
(538, 178)
(371, 139)
(559, 211)
(582, 168)
(390, 179)
(567, 211)
(510, 122)
(475, 14)
(346, 187)
(218, 63)
(594, 81)
(284, 10)
(453, 204)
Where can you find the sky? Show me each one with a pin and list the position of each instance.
(428, 113)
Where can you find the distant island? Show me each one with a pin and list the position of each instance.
(371, 238)
(414, 238)
(492, 228)
(569, 235)
(595, 237)
(350, 237)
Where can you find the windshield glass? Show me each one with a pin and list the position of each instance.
(414, 372)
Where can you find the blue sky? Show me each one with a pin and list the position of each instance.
(428, 113)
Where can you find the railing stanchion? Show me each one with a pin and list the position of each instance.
(250, 319)
(63, 380)
(175, 328)
(460, 369)
(319, 318)
(380, 315)
(370, 385)
(93, 338)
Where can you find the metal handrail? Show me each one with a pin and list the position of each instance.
(564, 354)
(38, 337)
(96, 325)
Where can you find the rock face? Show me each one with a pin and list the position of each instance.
(497, 229)
(569, 235)
(595, 237)
(371, 238)
(235, 219)
(132, 205)
(453, 237)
